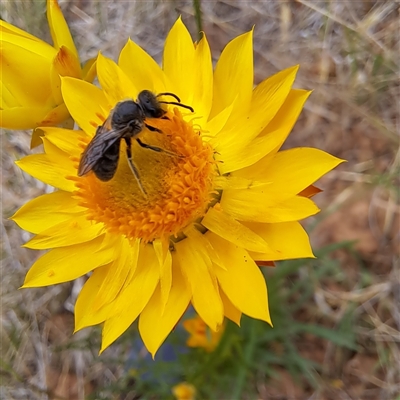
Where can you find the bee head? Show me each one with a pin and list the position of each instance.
(150, 105)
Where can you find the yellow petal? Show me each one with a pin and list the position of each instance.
(7, 99)
(86, 103)
(50, 168)
(233, 76)
(270, 139)
(59, 28)
(203, 81)
(35, 46)
(22, 117)
(5, 27)
(288, 113)
(55, 116)
(67, 233)
(256, 205)
(287, 240)
(34, 215)
(135, 251)
(156, 320)
(89, 70)
(252, 153)
(242, 281)
(227, 227)
(269, 96)
(65, 63)
(237, 182)
(18, 65)
(141, 68)
(165, 264)
(217, 123)
(52, 150)
(115, 83)
(133, 298)
(195, 264)
(204, 246)
(36, 137)
(85, 313)
(117, 275)
(266, 143)
(66, 140)
(267, 99)
(295, 169)
(230, 310)
(178, 62)
(60, 265)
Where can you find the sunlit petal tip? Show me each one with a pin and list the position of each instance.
(179, 23)
(141, 68)
(89, 70)
(106, 340)
(59, 30)
(178, 58)
(115, 83)
(86, 103)
(233, 77)
(66, 84)
(101, 58)
(178, 31)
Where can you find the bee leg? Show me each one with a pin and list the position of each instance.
(158, 149)
(151, 128)
(132, 166)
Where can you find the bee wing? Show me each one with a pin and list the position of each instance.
(94, 151)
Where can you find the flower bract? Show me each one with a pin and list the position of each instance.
(220, 195)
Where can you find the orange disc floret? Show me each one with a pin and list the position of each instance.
(178, 187)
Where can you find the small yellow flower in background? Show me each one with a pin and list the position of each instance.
(184, 391)
(30, 85)
(223, 199)
(201, 335)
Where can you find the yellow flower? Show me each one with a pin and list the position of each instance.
(184, 391)
(224, 198)
(200, 336)
(30, 86)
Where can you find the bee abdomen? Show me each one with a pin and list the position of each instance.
(107, 165)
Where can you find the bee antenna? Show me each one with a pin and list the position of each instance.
(169, 94)
(178, 104)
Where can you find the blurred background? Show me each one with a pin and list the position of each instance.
(336, 318)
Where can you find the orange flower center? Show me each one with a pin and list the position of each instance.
(178, 186)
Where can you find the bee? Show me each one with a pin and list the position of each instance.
(125, 122)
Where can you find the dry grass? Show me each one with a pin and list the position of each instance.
(349, 55)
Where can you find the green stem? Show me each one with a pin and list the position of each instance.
(198, 17)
